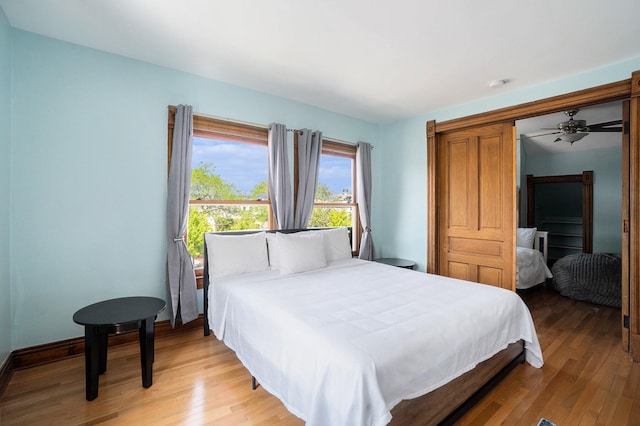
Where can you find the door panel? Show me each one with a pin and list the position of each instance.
(473, 246)
(477, 193)
(490, 161)
(491, 276)
(459, 270)
(458, 184)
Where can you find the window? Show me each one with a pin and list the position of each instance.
(229, 188)
(335, 203)
(228, 180)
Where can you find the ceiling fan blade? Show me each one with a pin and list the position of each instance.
(542, 134)
(605, 129)
(606, 126)
(607, 123)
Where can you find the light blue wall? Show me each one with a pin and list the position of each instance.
(88, 171)
(5, 187)
(401, 228)
(89, 174)
(607, 188)
(402, 213)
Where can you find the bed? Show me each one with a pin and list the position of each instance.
(531, 258)
(343, 341)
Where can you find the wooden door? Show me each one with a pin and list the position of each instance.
(626, 196)
(632, 265)
(476, 177)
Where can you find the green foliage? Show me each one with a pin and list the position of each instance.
(260, 191)
(196, 227)
(207, 185)
(324, 194)
(322, 217)
(340, 217)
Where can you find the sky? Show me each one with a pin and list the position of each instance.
(245, 164)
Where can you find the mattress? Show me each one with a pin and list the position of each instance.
(344, 344)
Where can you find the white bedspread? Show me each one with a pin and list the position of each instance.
(343, 345)
(531, 269)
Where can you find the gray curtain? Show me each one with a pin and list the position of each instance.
(363, 170)
(279, 177)
(181, 280)
(309, 150)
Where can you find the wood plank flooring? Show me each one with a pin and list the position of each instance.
(587, 380)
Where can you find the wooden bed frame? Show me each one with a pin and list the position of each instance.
(448, 403)
(444, 405)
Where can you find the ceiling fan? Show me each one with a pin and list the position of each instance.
(573, 130)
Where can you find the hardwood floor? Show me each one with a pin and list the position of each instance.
(587, 380)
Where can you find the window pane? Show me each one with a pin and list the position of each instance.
(216, 218)
(323, 217)
(334, 180)
(227, 170)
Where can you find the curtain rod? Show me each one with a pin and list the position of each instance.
(331, 139)
(232, 120)
(341, 141)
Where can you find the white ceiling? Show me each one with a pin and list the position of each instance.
(380, 61)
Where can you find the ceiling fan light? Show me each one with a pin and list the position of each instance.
(571, 137)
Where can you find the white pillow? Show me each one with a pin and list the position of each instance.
(299, 252)
(236, 254)
(525, 237)
(336, 243)
(272, 243)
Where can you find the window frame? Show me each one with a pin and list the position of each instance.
(209, 127)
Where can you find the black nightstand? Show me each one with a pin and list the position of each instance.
(117, 316)
(400, 263)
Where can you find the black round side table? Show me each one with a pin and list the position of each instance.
(400, 263)
(117, 316)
